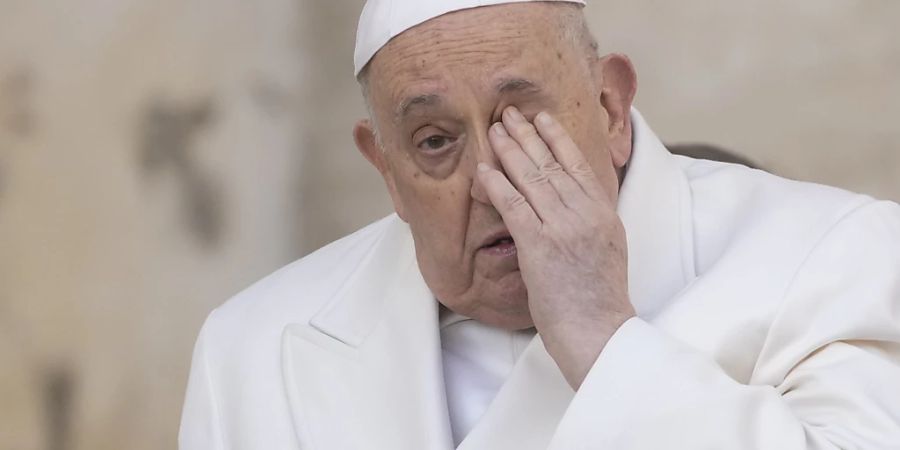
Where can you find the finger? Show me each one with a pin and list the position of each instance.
(569, 155)
(526, 135)
(524, 175)
(515, 210)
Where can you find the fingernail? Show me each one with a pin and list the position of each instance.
(482, 167)
(515, 115)
(543, 118)
(499, 129)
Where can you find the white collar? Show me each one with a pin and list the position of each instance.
(656, 209)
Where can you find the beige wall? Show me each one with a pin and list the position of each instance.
(809, 88)
(156, 157)
(149, 155)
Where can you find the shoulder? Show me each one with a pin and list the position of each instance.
(796, 264)
(736, 208)
(236, 369)
(295, 292)
(720, 185)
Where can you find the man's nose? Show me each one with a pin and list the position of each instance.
(482, 153)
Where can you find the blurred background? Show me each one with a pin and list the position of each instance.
(158, 156)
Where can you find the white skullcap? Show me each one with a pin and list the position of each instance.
(381, 20)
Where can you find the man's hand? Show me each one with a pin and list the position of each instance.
(570, 241)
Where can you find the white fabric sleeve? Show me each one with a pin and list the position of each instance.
(828, 375)
(200, 421)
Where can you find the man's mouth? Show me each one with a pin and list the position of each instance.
(503, 245)
(501, 241)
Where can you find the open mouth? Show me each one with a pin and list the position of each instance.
(502, 246)
(508, 240)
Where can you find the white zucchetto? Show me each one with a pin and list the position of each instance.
(381, 20)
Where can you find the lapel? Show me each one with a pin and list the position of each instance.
(366, 372)
(656, 208)
(528, 407)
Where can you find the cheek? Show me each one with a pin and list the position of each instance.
(437, 212)
(586, 130)
(438, 215)
(589, 133)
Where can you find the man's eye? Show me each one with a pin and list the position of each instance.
(434, 143)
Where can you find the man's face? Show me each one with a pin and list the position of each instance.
(435, 90)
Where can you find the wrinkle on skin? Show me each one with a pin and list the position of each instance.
(451, 40)
(457, 73)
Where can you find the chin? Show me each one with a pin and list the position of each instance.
(505, 304)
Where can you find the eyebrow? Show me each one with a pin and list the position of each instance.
(414, 102)
(516, 85)
(504, 86)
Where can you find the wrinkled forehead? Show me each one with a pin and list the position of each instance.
(473, 49)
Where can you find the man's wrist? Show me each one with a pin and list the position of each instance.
(575, 345)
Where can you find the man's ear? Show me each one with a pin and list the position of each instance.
(618, 84)
(367, 143)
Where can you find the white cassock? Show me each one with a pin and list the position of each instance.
(768, 318)
(477, 359)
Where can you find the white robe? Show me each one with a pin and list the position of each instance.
(768, 317)
(477, 359)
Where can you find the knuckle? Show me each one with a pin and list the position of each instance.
(581, 168)
(514, 201)
(535, 177)
(550, 166)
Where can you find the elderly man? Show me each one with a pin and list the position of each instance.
(553, 277)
